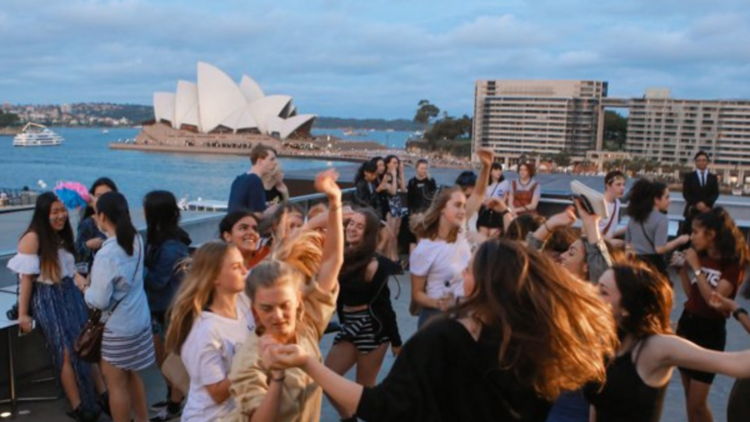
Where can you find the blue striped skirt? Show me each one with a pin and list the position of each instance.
(61, 313)
(129, 353)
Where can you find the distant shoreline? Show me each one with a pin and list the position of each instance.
(229, 151)
(10, 131)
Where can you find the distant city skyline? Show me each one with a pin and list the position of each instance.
(369, 59)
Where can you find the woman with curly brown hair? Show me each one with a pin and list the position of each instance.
(637, 378)
(715, 263)
(527, 331)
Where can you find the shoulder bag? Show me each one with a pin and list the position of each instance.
(88, 344)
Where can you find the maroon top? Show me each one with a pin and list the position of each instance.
(714, 271)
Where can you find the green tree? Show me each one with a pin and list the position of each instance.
(615, 130)
(562, 159)
(449, 129)
(426, 111)
(8, 119)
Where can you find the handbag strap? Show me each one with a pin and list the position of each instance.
(650, 242)
(135, 273)
(615, 214)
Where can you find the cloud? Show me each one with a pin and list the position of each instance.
(369, 59)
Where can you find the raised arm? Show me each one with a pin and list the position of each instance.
(475, 201)
(333, 249)
(540, 236)
(676, 351)
(597, 254)
(402, 178)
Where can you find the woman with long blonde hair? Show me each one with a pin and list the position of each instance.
(289, 312)
(209, 320)
(527, 331)
(443, 250)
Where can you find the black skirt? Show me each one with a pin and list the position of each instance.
(489, 218)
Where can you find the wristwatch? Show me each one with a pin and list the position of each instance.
(737, 312)
(698, 272)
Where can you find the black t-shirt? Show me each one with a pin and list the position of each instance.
(419, 194)
(443, 374)
(273, 196)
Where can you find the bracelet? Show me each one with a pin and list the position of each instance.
(502, 213)
(737, 312)
(283, 377)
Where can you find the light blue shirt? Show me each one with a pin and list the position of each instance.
(116, 276)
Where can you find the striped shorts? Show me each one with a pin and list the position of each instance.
(129, 353)
(358, 328)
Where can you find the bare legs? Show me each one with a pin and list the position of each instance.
(68, 381)
(394, 224)
(696, 400)
(126, 394)
(344, 355)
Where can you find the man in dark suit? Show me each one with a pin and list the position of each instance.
(700, 189)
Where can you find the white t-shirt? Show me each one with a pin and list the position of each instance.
(207, 354)
(442, 263)
(497, 190)
(613, 208)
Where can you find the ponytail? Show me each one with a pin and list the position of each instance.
(115, 207)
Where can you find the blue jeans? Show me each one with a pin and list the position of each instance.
(426, 314)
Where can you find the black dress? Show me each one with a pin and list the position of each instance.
(625, 397)
(443, 374)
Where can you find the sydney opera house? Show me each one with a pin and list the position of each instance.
(218, 105)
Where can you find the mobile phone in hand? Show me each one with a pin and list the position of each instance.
(585, 203)
(33, 327)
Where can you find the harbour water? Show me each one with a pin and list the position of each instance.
(85, 156)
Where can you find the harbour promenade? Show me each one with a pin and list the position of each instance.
(31, 362)
(674, 410)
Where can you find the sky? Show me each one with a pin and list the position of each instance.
(370, 58)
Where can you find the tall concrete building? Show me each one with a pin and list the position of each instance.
(537, 117)
(672, 130)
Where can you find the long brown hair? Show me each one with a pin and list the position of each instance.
(49, 239)
(196, 292)
(426, 225)
(357, 258)
(647, 297)
(556, 332)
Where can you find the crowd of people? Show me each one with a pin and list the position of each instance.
(522, 317)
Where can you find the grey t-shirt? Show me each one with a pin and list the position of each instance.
(649, 234)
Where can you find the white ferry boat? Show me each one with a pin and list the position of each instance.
(36, 135)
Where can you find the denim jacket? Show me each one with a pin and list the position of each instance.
(163, 272)
(87, 230)
(117, 276)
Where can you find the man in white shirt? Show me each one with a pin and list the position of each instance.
(614, 189)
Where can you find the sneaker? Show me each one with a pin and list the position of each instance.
(165, 415)
(158, 406)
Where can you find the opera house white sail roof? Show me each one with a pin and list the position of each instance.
(217, 104)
